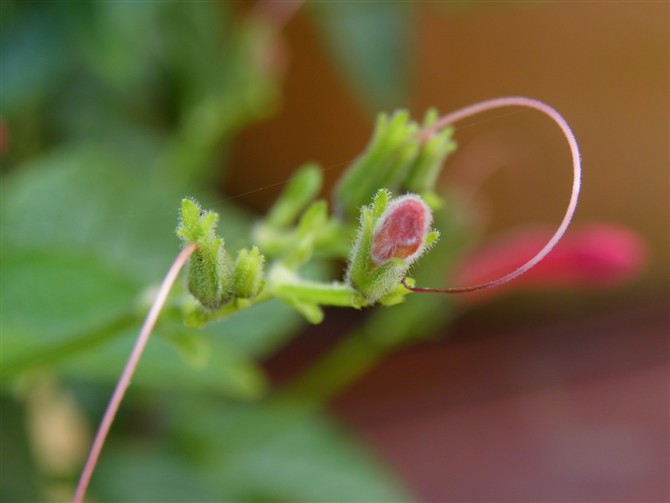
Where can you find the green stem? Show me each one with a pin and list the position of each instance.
(124, 379)
(324, 294)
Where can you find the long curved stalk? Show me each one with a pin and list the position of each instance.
(515, 101)
(129, 370)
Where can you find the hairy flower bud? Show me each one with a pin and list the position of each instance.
(392, 235)
(401, 231)
(210, 268)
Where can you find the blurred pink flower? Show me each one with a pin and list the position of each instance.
(593, 256)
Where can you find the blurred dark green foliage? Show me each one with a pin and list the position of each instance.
(114, 111)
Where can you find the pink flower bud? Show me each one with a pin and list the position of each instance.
(594, 256)
(401, 231)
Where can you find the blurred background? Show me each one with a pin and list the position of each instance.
(112, 111)
(534, 397)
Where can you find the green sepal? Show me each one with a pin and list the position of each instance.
(397, 295)
(210, 278)
(196, 225)
(385, 162)
(248, 274)
(312, 312)
(312, 223)
(197, 316)
(380, 203)
(301, 189)
(424, 171)
(363, 275)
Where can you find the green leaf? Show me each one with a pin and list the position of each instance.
(209, 450)
(90, 200)
(129, 471)
(371, 42)
(171, 362)
(54, 301)
(283, 452)
(190, 228)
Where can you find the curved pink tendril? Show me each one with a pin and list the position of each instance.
(576, 180)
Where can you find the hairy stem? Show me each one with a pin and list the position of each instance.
(129, 370)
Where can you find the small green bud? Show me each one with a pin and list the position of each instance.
(248, 273)
(392, 235)
(209, 278)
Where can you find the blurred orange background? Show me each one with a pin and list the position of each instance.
(542, 406)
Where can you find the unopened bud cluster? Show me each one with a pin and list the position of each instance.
(214, 279)
(392, 232)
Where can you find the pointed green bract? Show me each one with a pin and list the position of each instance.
(298, 193)
(427, 165)
(399, 158)
(248, 274)
(385, 162)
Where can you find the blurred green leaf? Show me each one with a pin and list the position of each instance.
(133, 471)
(215, 366)
(289, 448)
(90, 200)
(18, 478)
(281, 452)
(34, 58)
(116, 40)
(257, 453)
(85, 233)
(190, 73)
(221, 95)
(52, 300)
(371, 41)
